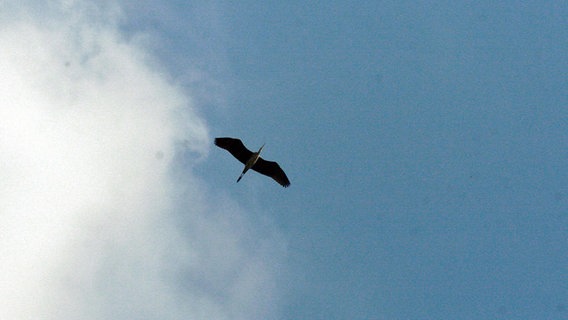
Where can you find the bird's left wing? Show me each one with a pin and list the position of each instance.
(235, 147)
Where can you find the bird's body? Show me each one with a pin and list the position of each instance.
(252, 160)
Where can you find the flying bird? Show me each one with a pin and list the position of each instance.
(252, 160)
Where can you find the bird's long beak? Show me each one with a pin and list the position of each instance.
(259, 150)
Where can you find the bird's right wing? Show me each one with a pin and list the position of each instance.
(235, 147)
(273, 170)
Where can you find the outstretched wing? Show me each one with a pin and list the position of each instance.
(273, 170)
(235, 147)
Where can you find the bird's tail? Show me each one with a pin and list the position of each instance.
(240, 177)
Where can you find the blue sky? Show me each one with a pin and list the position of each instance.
(425, 143)
(426, 147)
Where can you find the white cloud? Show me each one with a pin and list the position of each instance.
(92, 225)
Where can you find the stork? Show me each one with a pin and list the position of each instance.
(252, 160)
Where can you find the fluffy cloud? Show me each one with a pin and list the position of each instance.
(92, 225)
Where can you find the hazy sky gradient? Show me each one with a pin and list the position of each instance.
(95, 221)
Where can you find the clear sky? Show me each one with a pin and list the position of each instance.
(426, 143)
